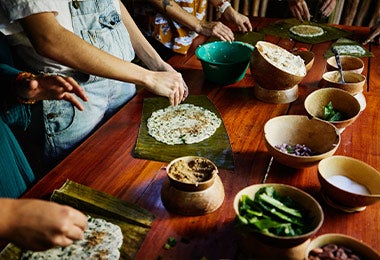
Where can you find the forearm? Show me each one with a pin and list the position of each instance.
(142, 47)
(7, 218)
(55, 42)
(171, 9)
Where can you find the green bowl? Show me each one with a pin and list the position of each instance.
(224, 63)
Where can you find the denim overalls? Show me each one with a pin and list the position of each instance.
(97, 22)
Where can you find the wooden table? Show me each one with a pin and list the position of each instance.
(105, 162)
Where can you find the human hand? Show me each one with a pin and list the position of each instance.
(242, 21)
(374, 35)
(168, 84)
(217, 29)
(299, 9)
(52, 87)
(40, 225)
(328, 7)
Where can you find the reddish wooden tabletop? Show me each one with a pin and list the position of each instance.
(105, 162)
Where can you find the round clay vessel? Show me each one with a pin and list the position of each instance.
(189, 196)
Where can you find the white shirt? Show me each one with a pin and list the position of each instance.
(13, 10)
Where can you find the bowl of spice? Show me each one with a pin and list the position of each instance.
(192, 186)
(348, 184)
(298, 141)
(333, 105)
(339, 247)
(279, 216)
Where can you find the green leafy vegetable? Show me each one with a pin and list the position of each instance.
(331, 114)
(170, 243)
(269, 213)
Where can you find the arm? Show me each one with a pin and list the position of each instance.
(52, 40)
(35, 87)
(299, 9)
(328, 7)
(374, 35)
(231, 15)
(171, 9)
(39, 225)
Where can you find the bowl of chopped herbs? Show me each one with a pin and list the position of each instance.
(277, 214)
(333, 105)
(298, 141)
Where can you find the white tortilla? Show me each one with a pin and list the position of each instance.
(182, 124)
(102, 240)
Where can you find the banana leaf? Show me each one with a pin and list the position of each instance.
(281, 29)
(344, 42)
(134, 221)
(217, 148)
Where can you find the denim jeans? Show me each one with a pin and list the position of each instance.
(98, 23)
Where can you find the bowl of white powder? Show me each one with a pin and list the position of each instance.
(348, 184)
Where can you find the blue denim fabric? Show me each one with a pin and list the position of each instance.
(97, 22)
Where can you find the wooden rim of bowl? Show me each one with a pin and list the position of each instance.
(187, 186)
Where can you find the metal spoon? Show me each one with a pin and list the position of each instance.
(338, 63)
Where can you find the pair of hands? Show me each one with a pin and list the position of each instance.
(300, 10)
(222, 31)
(39, 225)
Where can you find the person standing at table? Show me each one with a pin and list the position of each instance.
(93, 41)
(30, 223)
(174, 24)
(20, 90)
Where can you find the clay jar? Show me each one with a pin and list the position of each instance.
(192, 186)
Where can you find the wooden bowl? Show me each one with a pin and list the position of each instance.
(306, 201)
(341, 100)
(359, 248)
(321, 137)
(270, 74)
(349, 63)
(358, 172)
(308, 58)
(188, 197)
(354, 82)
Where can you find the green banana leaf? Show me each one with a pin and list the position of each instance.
(345, 41)
(217, 148)
(135, 222)
(281, 29)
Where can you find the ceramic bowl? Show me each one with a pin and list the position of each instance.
(343, 191)
(224, 63)
(359, 248)
(314, 213)
(192, 186)
(321, 137)
(354, 82)
(349, 63)
(307, 56)
(341, 101)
